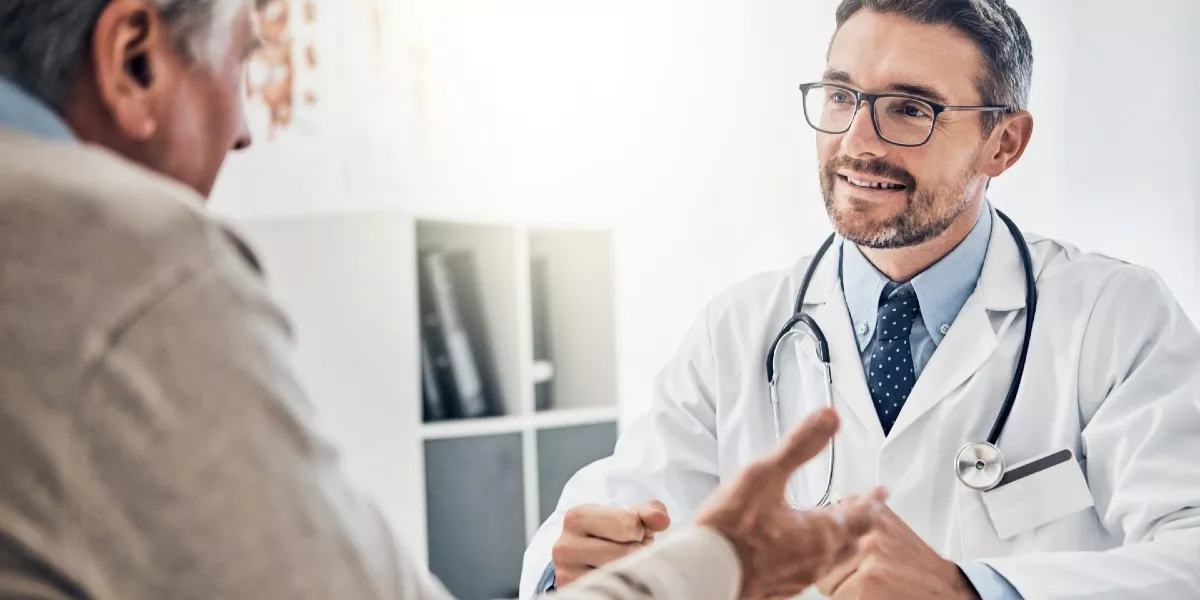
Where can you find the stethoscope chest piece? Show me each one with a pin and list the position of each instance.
(979, 466)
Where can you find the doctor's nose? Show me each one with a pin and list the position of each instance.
(861, 140)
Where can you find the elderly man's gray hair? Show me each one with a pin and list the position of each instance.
(42, 42)
(995, 28)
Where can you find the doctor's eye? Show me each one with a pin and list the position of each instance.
(837, 96)
(914, 110)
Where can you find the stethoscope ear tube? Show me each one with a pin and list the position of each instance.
(1030, 308)
(799, 323)
(798, 316)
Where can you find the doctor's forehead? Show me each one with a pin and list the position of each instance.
(877, 52)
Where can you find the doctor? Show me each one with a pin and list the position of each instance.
(925, 283)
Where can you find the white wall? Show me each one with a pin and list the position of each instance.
(679, 121)
(1114, 159)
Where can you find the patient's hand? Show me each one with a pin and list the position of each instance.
(783, 550)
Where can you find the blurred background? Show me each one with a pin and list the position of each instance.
(492, 222)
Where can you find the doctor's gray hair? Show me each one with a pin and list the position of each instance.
(43, 42)
(995, 28)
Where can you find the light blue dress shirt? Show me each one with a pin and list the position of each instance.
(546, 583)
(21, 111)
(941, 291)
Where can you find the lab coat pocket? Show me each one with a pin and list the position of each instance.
(1036, 492)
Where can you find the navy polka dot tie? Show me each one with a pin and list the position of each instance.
(891, 376)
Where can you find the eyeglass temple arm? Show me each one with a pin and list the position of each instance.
(993, 108)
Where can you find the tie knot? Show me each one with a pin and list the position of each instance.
(898, 309)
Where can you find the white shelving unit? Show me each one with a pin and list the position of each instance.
(465, 494)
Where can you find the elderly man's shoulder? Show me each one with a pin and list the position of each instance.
(84, 230)
(86, 194)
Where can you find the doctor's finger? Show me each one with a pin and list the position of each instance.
(606, 522)
(858, 516)
(890, 523)
(654, 517)
(804, 442)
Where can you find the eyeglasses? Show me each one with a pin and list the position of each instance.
(901, 120)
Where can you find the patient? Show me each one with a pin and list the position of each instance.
(155, 442)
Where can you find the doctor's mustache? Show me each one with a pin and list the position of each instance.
(877, 167)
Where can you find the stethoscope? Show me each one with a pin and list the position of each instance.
(978, 465)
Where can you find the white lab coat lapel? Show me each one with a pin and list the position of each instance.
(987, 315)
(827, 305)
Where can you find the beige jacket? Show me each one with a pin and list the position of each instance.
(695, 563)
(154, 440)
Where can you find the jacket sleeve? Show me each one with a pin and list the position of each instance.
(1140, 403)
(697, 563)
(668, 454)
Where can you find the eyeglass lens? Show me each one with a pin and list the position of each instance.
(831, 109)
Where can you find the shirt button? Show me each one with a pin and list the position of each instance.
(944, 329)
(862, 329)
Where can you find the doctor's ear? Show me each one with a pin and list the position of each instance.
(1007, 143)
(132, 61)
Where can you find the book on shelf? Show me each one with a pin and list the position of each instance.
(434, 404)
(458, 373)
(543, 364)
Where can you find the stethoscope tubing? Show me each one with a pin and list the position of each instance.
(806, 325)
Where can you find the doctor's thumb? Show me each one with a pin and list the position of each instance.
(654, 516)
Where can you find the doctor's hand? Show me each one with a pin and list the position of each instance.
(782, 550)
(594, 536)
(893, 562)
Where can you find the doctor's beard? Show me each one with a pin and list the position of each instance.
(928, 210)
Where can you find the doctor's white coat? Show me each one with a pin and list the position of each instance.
(1113, 375)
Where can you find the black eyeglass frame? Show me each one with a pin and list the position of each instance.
(859, 97)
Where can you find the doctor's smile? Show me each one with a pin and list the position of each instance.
(864, 182)
(872, 181)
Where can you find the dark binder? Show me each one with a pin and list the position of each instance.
(463, 272)
(434, 404)
(439, 388)
(455, 329)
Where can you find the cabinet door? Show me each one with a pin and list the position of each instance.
(476, 508)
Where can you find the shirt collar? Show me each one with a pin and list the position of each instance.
(941, 290)
(21, 111)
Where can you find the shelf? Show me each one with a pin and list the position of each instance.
(463, 428)
(566, 417)
(550, 419)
